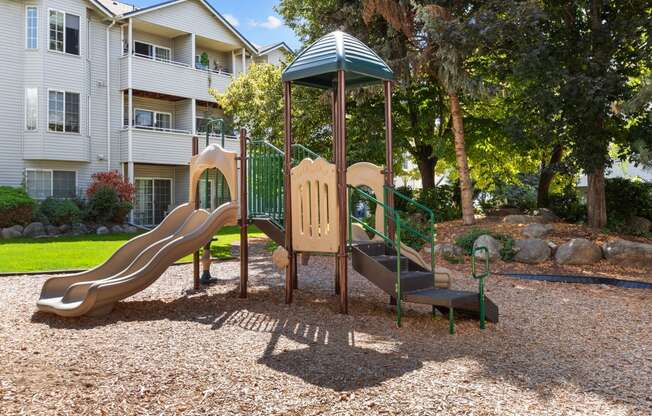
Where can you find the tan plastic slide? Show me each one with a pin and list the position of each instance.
(135, 265)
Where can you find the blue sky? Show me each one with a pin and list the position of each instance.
(255, 19)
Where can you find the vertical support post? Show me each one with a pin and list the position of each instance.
(287, 163)
(334, 129)
(340, 164)
(233, 63)
(389, 157)
(244, 60)
(244, 243)
(195, 255)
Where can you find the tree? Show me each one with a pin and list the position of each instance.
(390, 28)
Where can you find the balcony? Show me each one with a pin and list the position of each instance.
(172, 78)
(165, 146)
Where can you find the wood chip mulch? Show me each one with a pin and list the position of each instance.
(558, 349)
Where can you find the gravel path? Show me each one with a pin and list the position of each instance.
(559, 349)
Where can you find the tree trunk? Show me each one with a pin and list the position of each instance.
(426, 167)
(596, 201)
(462, 165)
(546, 177)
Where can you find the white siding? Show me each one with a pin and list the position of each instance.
(195, 19)
(12, 99)
(158, 147)
(182, 49)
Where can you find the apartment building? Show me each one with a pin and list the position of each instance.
(97, 85)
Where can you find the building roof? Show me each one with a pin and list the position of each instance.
(137, 12)
(318, 64)
(116, 7)
(268, 48)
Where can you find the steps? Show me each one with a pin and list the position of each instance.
(271, 229)
(375, 261)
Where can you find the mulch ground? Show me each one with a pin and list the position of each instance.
(558, 349)
(562, 233)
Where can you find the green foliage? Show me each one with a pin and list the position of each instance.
(105, 206)
(507, 253)
(399, 203)
(521, 195)
(466, 240)
(204, 61)
(60, 211)
(412, 224)
(444, 201)
(568, 205)
(626, 198)
(16, 207)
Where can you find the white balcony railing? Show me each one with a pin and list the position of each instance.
(161, 129)
(172, 78)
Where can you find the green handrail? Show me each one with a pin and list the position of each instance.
(300, 152)
(265, 181)
(480, 277)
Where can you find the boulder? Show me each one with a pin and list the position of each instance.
(447, 250)
(628, 253)
(531, 251)
(12, 232)
(493, 246)
(102, 230)
(117, 229)
(547, 215)
(523, 219)
(537, 230)
(639, 225)
(64, 228)
(129, 229)
(34, 229)
(578, 251)
(51, 229)
(79, 229)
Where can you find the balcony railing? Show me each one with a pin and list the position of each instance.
(162, 129)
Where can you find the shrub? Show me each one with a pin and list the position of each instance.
(466, 240)
(399, 203)
(443, 200)
(105, 205)
(568, 205)
(110, 197)
(627, 198)
(60, 211)
(113, 180)
(16, 207)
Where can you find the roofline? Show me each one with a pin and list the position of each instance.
(217, 14)
(274, 47)
(103, 8)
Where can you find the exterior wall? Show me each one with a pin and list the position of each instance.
(146, 37)
(196, 19)
(12, 101)
(275, 57)
(182, 49)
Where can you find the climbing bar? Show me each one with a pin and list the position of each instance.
(480, 277)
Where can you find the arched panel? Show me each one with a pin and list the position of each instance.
(314, 207)
(370, 175)
(214, 156)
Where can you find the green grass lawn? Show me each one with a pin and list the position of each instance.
(86, 251)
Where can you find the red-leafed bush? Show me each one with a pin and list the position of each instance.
(113, 180)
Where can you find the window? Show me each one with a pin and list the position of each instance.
(56, 30)
(72, 34)
(202, 124)
(152, 200)
(63, 111)
(31, 108)
(153, 119)
(64, 32)
(148, 50)
(64, 184)
(31, 27)
(44, 183)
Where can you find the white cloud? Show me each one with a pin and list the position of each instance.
(271, 22)
(232, 19)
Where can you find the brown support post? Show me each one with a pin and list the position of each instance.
(389, 157)
(287, 123)
(340, 163)
(334, 131)
(195, 255)
(244, 243)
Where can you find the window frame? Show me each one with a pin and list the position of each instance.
(155, 114)
(36, 37)
(153, 47)
(64, 32)
(64, 112)
(26, 112)
(51, 171)
(152, 179)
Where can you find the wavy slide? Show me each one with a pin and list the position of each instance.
(135, 265)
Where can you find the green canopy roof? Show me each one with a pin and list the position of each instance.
(317, 65)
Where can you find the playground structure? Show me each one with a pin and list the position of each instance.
(301, 201)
